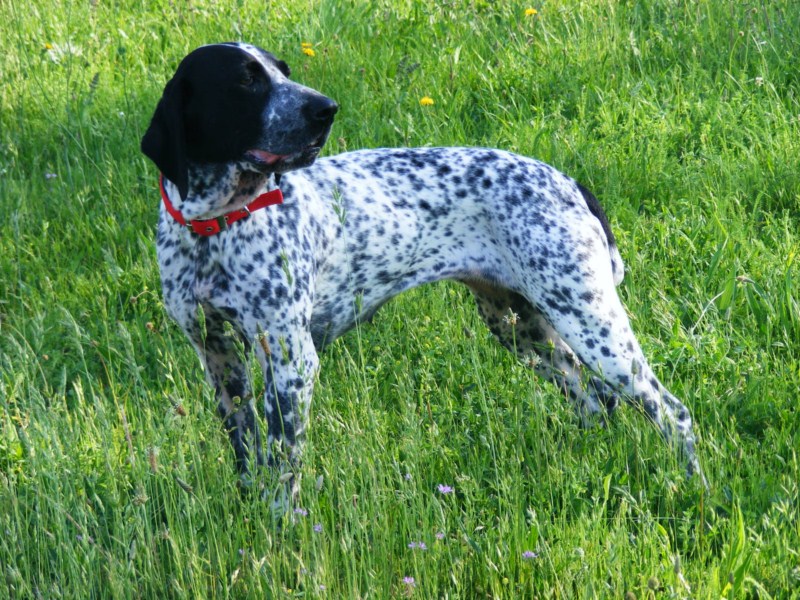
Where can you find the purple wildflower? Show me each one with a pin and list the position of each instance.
(318, 527)
(439, 535)
(417, 546)
(410, 585)
(529, 555)
(301, 511)
(444, 489)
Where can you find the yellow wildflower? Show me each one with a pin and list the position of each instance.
(531, 12)
(309, 51)
(48, 46)
(306, 44)
(426, 101)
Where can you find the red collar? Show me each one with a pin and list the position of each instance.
(209, 227)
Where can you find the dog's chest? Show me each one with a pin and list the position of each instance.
(260, 265)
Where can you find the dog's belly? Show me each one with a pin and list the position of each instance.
(346, 296)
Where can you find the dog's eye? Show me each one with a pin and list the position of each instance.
(247, 79)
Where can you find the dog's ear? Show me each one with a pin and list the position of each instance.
(283, 67)
(164, 142)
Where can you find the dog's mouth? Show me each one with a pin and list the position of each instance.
(271, 162)
(262, 157)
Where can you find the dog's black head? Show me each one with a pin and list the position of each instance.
(231, 103)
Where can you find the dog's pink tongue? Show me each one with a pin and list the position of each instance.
(265, 157)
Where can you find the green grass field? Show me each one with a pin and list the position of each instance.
(683, 116)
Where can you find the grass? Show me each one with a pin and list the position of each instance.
(116, 479)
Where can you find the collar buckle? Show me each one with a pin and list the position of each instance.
(208, 227)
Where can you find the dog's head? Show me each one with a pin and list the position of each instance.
(234, 103)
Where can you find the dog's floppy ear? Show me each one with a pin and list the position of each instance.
(283, 67)
(164, 142)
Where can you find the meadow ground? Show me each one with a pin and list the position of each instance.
(116, 480)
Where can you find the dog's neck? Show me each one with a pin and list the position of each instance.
(215, 190)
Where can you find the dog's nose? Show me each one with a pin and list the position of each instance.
(320, 109)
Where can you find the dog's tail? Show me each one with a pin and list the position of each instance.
(617, 266)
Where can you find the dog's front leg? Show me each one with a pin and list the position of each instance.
(223, 349)
(289, 360)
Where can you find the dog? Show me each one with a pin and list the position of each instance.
(264, 248)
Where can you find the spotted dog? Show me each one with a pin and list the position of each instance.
(263, 247)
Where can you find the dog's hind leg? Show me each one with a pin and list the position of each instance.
(588, 315)
(601, 363)
(521, 328)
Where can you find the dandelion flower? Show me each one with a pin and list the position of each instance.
(309, 51)
(426, 101)
(48, 46)
(306, 44)
(531, 12)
